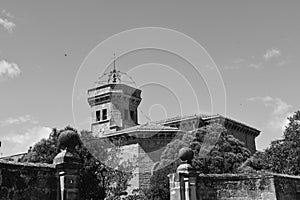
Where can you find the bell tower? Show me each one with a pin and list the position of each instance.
(113, 104)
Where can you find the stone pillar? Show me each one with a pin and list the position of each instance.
(183, 182)
(68, 165)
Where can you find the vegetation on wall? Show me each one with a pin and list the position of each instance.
(91, 151)
(215, 152)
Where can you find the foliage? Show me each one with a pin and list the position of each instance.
(283, 156)
(218, 152)
(119, 172)
(215, 152)
(45, 150)
(159, 187)
(90, 151)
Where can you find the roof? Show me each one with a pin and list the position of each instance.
(25, 164)
(148, 127)
(181, 118)
(158, 126)
(235, 121)
(204, 117)
(14, 157)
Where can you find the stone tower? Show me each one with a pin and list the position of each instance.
(113, 105)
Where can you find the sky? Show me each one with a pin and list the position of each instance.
(50, 49)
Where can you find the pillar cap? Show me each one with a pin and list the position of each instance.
(66, 157)
(186, 156)
(69, 139)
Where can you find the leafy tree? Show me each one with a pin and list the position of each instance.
(119, 171)
(91, 150)
(218, 152)
(215, 151)
(283, 156)
(45, 150)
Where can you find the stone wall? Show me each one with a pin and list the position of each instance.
(230, 186)
(234, 186)
(287, 187)
(27, 181)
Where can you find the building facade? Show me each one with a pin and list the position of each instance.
(114, 110)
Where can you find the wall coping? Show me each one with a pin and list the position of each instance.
(286, 176)
(15, 164)
(246, 176)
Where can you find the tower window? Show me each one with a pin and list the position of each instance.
(98, 118)
(132, 115)
(104, 114)
(126, 114)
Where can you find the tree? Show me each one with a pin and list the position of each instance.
(215, 151)
(45, 150)
(283, 156)
(119, 171)
(91, 151)
(218, 152)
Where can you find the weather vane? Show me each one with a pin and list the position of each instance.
(114, 76)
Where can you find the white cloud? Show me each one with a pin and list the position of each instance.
(7, 14)
(9, 70)
(19, 120)
(280, 111)
(14, 143)
(272, 53)
(238, 61)
(30, 137)
(256, 66)
(8, 25)
(235, 64)
(209, 67)
(231, 67)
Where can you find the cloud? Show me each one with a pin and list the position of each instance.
(31, 136)
(14, 143)
(8, 25)
(18, 120)
(256, 66)
(280, 111)
(17, 134)
(235, 64)
(9, 70)
(272, 53)
(238, 61)
(7, 14)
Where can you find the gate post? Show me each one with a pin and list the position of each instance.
(68, 165)
(183, 182)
